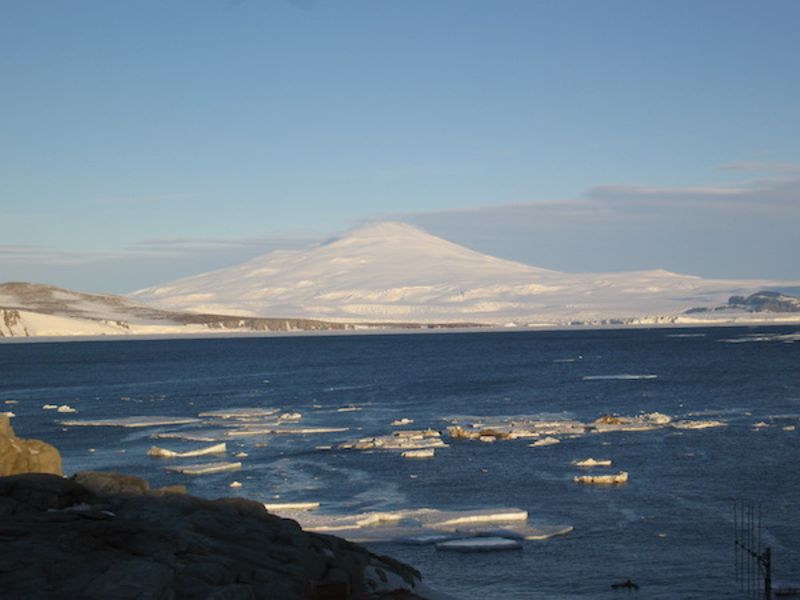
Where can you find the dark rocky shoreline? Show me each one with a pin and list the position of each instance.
(104, 535)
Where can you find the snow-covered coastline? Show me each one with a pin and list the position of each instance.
(392, 278)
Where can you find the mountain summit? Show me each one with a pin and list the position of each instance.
(390, 271)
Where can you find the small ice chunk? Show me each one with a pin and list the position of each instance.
(788, 427)
(66, 408)
(206, 469)
(348, 409)
(290, 416)
(401, 422)
(164, 453)
(234, 484)
(423, 453)
(487, 439)
(49, 406)
(241, 454)
(12, 402)
(592, 462)
(547, 441)
(621, 477)
(484, 544)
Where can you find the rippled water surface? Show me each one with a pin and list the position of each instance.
(669, 528)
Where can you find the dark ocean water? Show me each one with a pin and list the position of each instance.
(669, 529)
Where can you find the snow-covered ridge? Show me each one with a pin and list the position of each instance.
(389, 272)
(32, 310)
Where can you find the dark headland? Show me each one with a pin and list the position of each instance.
(103, 535)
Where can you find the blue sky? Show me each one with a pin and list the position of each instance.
(142, 141)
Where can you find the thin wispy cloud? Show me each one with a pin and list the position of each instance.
(755, 166)
(776, 196)
(29, 254)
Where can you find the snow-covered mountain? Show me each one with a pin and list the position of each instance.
(390, 272)
(33, 310)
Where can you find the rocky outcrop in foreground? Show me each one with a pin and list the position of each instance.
(25, 456)
(102, 535)
(60, 539)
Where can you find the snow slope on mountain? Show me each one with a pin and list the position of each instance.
(33, 310)
(390, 271)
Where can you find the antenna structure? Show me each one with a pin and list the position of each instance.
(753, 561)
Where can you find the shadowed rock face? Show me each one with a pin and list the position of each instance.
(25, 456)
(61, 539)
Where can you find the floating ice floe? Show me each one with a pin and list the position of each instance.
(698, 424)
(547, 441)
(272, 430)
(424, 526)
(234, 484)
(240, 413)
(193, 435)
(619, 377)
(644, 422)
(348, 409)
(401, 422)
(164, 453)
(206, 469)
(480, 544)
(49, 406)
(621, 477)
(145, 421)
(592, 462)
(12, 402)
(513, 428)
(66, 408)
(423, 453)
(283, 507)
(290, 416)
(408, 439)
